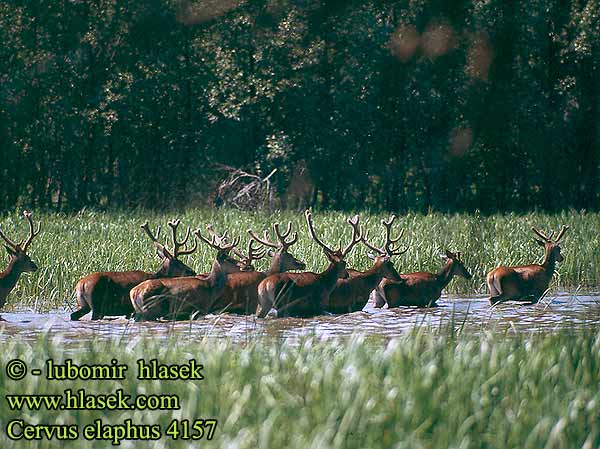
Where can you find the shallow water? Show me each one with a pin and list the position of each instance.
(573, 311)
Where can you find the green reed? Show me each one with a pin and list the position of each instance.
(73, 245)
(421, 390)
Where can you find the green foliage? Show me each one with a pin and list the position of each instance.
(419, 390)
(454, 106)
(72, 246)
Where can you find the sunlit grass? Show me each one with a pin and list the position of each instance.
(72, 246)
(421, 390)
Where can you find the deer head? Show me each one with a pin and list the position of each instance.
(336, 258)
(251, 255)
(458, 267)
(283, 260)
(171, 265)
(225, 263)
(18, 251)
(551, 247)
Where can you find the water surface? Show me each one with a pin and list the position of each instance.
(573, 311)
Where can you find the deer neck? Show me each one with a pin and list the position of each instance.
(445, 275)
(372, 277)
(217, 278)
(549, 264)
(10, 275)
(275, 264)
(328, 278)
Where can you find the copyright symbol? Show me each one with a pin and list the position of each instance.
(16, 369)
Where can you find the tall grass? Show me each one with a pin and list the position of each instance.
(420, 390)
(72, 246)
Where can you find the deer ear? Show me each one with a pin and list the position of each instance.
(10, 250)
(449, 254)
(371, 255)
(540, 242)
(271, 253)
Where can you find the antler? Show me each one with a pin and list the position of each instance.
(357, 234)
(561, 233)
(548, 238)
(253, 254)
(281, 237)
(9, 242)
(389, 242)
(311, 230)
(388, 248)
(173, 224)
(283, 245)
(32, 233)
(154, 239)
(216, 241)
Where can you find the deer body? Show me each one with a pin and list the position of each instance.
(240, 295)
(241, 292)
(298, 294)
(179, 298)
(421, 289)
(352, 294)
(526, 282)
(107, 293)
(306, 294)
(19, 262)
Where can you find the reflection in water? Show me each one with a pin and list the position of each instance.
(472, 314)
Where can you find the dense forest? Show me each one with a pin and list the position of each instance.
(486, 105)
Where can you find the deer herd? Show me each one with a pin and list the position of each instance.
(175, 291)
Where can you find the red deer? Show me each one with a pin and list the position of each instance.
(19, 262)
(107, 293)
(352, 294)
(528, 282)
(180, 298)
(241, 293)
(420, 289)
(304, 294)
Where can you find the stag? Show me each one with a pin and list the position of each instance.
(107, 293)
(180, 298)
(305, 294)
(352, 294)
(420, 289)
(241, 293)
(528, 282)
(19, 262)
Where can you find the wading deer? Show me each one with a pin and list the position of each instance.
(107, 293)
(528, 282)
(304, 294)
(241, 292)
(352, 294)
(19, 262)
(420, 289)
(180, 298)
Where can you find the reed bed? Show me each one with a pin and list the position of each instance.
(421, 390)
(74, 245)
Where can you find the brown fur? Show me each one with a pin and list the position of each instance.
(299, 294)
(241, 292)
(526, 282)
(352, 294)
(419, 289)
(18, 263)
(180, 298)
